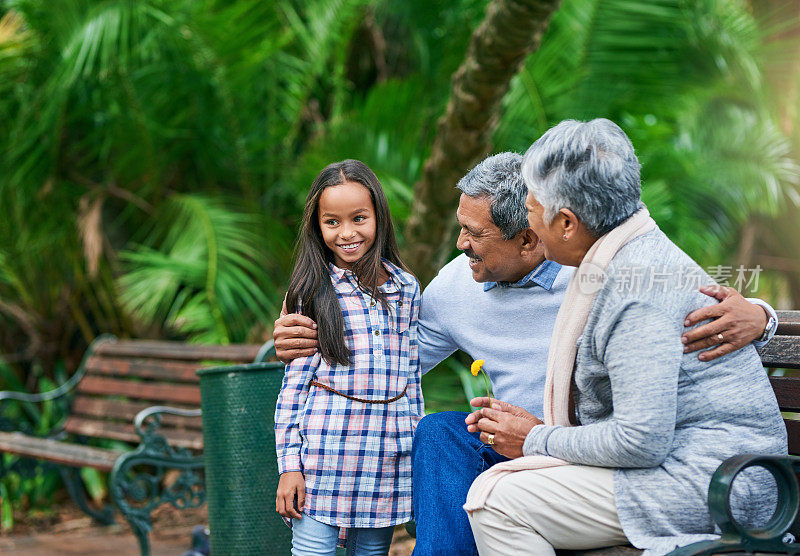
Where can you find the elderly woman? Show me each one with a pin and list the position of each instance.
(651, 424)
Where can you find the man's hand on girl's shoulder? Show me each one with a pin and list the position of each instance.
(295, 336)
(291, 487)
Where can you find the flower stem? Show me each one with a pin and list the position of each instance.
(488, 390)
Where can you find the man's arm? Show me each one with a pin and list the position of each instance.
(740, 322)
(295, 335)
(435, 342)
(771, 314)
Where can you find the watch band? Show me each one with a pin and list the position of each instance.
(771, 324)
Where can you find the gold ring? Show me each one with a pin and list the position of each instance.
(719, 337)
(490, 439)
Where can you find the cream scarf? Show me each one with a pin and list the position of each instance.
(570, 322)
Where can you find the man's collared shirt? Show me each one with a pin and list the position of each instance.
(543, 275)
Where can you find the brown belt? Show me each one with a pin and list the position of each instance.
(362, 400)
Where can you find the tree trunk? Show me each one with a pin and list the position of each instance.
(510, 31)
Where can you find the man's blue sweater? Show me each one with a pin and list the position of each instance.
(507, 325)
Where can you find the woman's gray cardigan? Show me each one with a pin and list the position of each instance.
(665, 420)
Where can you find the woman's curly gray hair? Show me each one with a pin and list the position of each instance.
(587, 167)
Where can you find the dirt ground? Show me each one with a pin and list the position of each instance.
(67, 531)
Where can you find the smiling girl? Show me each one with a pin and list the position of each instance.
(346, 415)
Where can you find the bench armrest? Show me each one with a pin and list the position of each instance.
(58, 394)
(63, 389)
(771, 537)
(31, 416)
(155, 412)
(784, 469)
(42, 396)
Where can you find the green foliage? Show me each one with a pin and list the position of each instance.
(31, 490)
(6, 510)
(95, 482)
(446, 388)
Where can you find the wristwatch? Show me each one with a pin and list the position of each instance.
(772, 322)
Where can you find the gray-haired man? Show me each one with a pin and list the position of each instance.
(483, 303)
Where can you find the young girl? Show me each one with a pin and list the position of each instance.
(346, 416)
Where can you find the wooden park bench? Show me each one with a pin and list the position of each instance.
(783, 352)
(120, 393)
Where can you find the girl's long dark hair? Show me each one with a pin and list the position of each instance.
(310, 288)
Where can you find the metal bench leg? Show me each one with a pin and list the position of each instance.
(137, 484)
(74, 484)
(141, 524)
(122, 487)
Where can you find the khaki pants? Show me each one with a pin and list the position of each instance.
(536, 511)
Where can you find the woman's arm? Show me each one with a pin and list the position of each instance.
(291, 399)
(641, 348)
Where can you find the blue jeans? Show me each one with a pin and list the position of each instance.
(314, 538)
(446, 459)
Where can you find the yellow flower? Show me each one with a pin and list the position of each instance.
(477, 367)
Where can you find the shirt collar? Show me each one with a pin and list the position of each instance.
(344, 281)
(543, 275)
(401, 277)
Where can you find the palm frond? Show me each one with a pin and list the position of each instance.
(199, 272)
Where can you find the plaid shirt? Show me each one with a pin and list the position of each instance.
(355, 456)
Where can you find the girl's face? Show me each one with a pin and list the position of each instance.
(347, 222)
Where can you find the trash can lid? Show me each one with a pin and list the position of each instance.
(249, 367)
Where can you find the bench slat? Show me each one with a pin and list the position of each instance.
(126, 433)
(127, 410)
(610, 551)
(74, 455)
(788, 323)
(793, 432)
(160, 392)
(787, 391)
(240, 353)
(782, 351)
(157, 369)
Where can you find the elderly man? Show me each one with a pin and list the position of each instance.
(498, 302)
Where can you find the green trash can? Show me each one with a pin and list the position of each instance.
(241, 467)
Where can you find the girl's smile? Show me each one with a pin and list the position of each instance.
(350, 247)
(347, 222)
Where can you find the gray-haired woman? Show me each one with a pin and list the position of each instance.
(653, 423)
